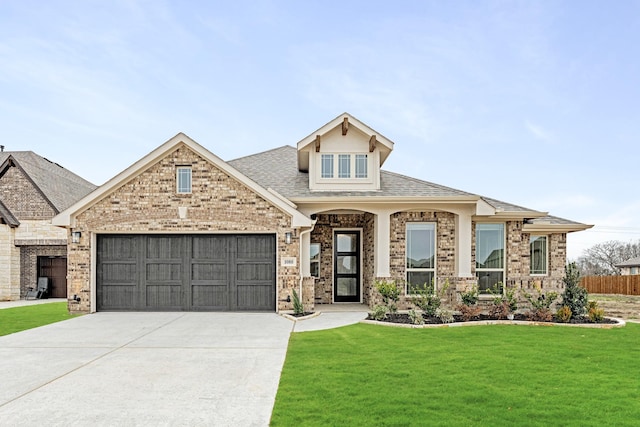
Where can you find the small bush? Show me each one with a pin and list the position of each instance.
(574, 296)
(427, 300)
(500, 310)
(595, 313)
(445, 316)
(540, 315)
(470, 297)
(416, 317)
(564, 314)
(469, 312)
(298, 308)
(379, 312)
(390, 294)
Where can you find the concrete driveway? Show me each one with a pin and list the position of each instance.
(126, 369)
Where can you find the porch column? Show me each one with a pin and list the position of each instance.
(305, 254)
(463, 244)
(382, 244)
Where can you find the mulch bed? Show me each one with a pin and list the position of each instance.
(403, 318)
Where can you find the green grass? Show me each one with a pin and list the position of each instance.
(21, 318)
(471, 376)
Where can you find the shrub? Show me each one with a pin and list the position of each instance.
(379, 312)
(595, 313)
(470, 297)
(574, 296)
(469, 312)
(445, 316)
(564, 314)
(427, 300)
(416, 317)
(499, 310)
(298, 308)
(390, 294)
(540, 315)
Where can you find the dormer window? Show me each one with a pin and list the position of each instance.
(327, 166)
(348, 166)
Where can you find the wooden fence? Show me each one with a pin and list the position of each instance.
(622, 285)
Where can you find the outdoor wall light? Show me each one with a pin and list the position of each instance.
(75, 236)
(287, 237)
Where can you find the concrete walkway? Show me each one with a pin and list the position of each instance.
(144, 369)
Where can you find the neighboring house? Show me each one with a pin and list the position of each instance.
(32, 191)
(182, 229)
(629, 267)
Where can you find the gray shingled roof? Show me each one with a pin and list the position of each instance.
(278, 169)
(60, 186)
(633, 262)
(7, 217)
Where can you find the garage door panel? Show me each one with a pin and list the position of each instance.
(254, 296)
(164, 272)
(214, 296)
(117, 296)
(186, 272)
(164, 296)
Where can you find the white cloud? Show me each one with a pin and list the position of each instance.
(538, 132)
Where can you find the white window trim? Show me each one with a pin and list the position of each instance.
(178, 169)
(504, 254)
(435, 259)
(546, 255)
(352, 168)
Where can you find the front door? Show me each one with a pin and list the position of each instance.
(55, 268)
(346, 266)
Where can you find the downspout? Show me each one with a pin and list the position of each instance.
(313, 224)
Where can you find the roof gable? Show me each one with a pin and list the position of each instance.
(59, 187)
(346, 122)
(66, 218)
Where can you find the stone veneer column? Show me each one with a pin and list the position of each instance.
(9, 256)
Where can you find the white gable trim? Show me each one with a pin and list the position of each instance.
(67, 217)
(385, 144)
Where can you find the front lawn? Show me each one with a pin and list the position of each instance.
(20, 318)
(484, 375)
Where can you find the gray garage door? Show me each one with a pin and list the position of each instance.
(186, 272)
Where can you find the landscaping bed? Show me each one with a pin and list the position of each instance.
(405, 319)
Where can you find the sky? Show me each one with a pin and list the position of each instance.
(536, 103)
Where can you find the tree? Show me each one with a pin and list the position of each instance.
(601, 259)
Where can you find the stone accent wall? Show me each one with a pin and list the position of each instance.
(22, 198)
(42, 231)
(29, 263)
(148, 202)
(368, 256)
(445, 242)
(323, 234)
(10, 262)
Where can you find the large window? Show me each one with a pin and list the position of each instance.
(421, 255)
(314, 259)
(327, 166)
(538, 249)
(489, 256)
(183, 179)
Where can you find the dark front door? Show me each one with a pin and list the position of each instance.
(186, 272)
(55, 268)
(346, 266)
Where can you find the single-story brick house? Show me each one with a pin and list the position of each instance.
(33, 190)
(182, 229)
